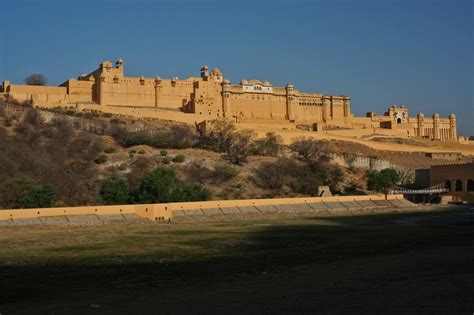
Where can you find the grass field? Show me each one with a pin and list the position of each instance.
(386, 263)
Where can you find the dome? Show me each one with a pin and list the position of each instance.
(421, 115)
(244, 82)
(216, 72)
(203, 68)
(452, 116)
(436, 115)
(119, 61)
(289, 85)
(226, 81)
(266, 83)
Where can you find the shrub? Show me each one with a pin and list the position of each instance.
(166, 160)
(240, 146)
(224, 172)
(163, 152)
(141, 152)
(179, 158)
(306, 148)
(123, 167)
(110, 150)
(25, 193)
(102, 158)
(271, 145)
(161, 139)
(132, 152)
(162, 185)
(135, 138)
(219, 136)
(190, 192)
(114, 191)
(8, 121)
(181, 137)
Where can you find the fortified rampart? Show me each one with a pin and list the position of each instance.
(210, 96)
(171, 211)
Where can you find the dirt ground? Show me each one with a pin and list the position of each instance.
(392, 263)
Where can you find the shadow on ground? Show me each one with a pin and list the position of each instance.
(369, 264)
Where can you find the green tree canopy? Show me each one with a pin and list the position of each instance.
(114, 191)
(382, 181)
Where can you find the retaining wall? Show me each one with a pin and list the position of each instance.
(168, 211)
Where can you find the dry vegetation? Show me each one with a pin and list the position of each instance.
(52, 164)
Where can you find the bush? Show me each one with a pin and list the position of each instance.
(179, 158)
(190, 192)
(8, 121)
(25, 193)
(160, 139)
(36, 79)
(271, 145)
(166, 160)
(131, 152)
(102, 158)
(110, 150)
(219, 135)
(181, 137)
(224, 172)
(162, 185)
(114, 191)
(240, 146)
(163, 152)
(123, 167)
(135, 138)
(307, 148)
(141, 152)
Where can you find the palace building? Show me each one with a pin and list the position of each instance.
(211, 96)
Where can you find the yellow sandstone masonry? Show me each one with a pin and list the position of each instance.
(210, 96)
(164, 211)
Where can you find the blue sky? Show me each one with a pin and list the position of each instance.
(416, 53)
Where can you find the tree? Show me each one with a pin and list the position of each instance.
(271, 145)
(41, 196)
(25, 193)
(219, 135)
(307, 148)
(158, 186)
(382, 181)
(36, 79)
(240, 146)
(114, 191)
(190, 192)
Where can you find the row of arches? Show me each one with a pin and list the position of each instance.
(458, 185)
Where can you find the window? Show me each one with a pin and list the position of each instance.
(470, 185)
(458, 185)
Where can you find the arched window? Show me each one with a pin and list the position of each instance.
(458, 185)
(447, 184)
(470, 185)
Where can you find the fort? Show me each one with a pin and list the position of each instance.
(199, 99)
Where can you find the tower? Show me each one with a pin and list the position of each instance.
(327, 112)
(452, 127)
(205, 73)
(226, 98)
(421, 124)
(290, 102)
(347, 106)
(157, 91)
(436, 131)
(102, 89)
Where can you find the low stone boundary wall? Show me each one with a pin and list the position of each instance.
(170, 211)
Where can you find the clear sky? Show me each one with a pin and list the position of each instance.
(413, 52)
